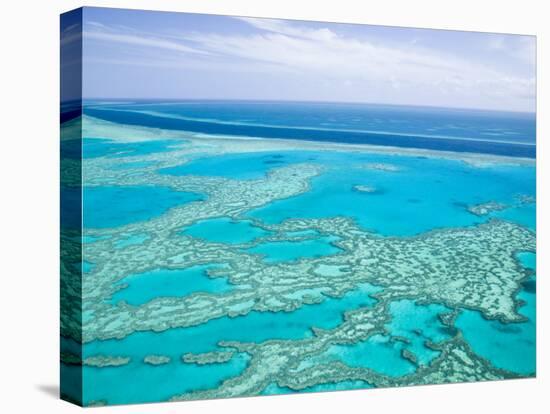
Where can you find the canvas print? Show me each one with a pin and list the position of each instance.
(257, 206)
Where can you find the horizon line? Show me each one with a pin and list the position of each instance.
(135, 99)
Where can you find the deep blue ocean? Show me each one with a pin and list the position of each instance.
(445, 129)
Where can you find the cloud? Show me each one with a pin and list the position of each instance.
(522, 48)
(98, 31)
(329, 56)
(282, 27)
(321, 52)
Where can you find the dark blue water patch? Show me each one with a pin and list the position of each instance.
(71, 207)
(71, 148)
(398, 119)
(116, 206)
(321, 135)
(144, 287)
(70, 110)
(529, 286)
(100, 147)
(68, 115)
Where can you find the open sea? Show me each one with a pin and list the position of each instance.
(487, 132)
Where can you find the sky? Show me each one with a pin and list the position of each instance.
(144, 54)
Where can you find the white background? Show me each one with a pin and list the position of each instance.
(29, 204)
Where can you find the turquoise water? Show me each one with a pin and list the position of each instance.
(231, 165)
(418, 324)
(436, 193)
(526, 215)
(378, 353)
(156, 283)
(131, 240)
(225, 230)
(160, 382)
(382, 353)
(287, 251)
(87, 267)
(93, 239)
(303, 233)
(138, 382)
(106, 207)
(253, 327)
(510, 346)
(100, 147)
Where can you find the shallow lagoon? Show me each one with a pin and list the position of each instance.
(436, 193)
(253, 327)
(160, 382)
(106, 207)
(99, 147)
(510, 346)
(139, 382)
(411, 326)
(231, 165)
(418, 324)
(225, 230)
(157, 283)
(287, 251)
